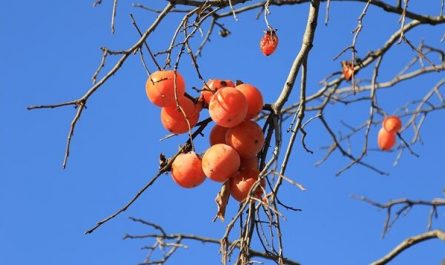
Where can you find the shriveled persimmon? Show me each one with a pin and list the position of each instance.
(187, 170)
(220, 162)
(163, 87)
(392, 124)
(254, 99)
(385, 139)
(212, 86)
(228, 107)
(181, 118)
(347, 69)
(218, 135)
(269, 42)
(247, 138)
(242, 182)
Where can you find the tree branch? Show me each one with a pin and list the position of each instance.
(405, 205)
(306, 46)
(163, 236)
(165, 167)
(82, 101)
(408, 243)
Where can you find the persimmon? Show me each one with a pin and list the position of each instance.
(347, 69)
(242, 182)
(392, 124)
(180, 119)
(254, 99)
(187, 170)
(228, 107)
(269, 42)
(212, 86)
(163, 87)
(251, 162)
(218, 135)
(220, 162)
(247, 138)
(386, 140)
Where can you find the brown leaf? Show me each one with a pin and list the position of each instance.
(222, 200)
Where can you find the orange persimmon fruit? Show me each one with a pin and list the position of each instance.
(386, 140)
(220, 162)
(187, 170)
(242, 182)
(180, 119)
(392, 124)
(212, 86)
(163, 87)
(254, 99)
(228, 107)
(247, 138)
(218, 135)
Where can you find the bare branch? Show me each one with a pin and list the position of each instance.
(113, 16)
(404, 206)
(252, 252)
(164, 168)
(346, 153)
(408, 243)
(306, 46)
(133, 21)
(83, 100)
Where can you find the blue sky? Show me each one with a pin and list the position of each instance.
(50, 50)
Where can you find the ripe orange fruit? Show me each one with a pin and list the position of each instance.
(269, 42)
(249, 162)
(160, 88)
(254, 100)
(214, 85)
(187, 170)
(173, 118)
(218, 135)
(220, 162)
(247, 138)
(392, 124)
(386, 140)
(241, 183)
(228, 107)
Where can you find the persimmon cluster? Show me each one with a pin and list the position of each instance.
(391, 125)
(235, 140)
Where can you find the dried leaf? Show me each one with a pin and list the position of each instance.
(222, 200)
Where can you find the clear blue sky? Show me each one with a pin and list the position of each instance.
(49, 50)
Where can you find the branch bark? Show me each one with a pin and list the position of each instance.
(306, 46)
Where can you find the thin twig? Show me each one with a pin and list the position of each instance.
(82, 101)
(405, 205)
(113, 15)
(165, 168)
(252, 252)
(133, 21)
